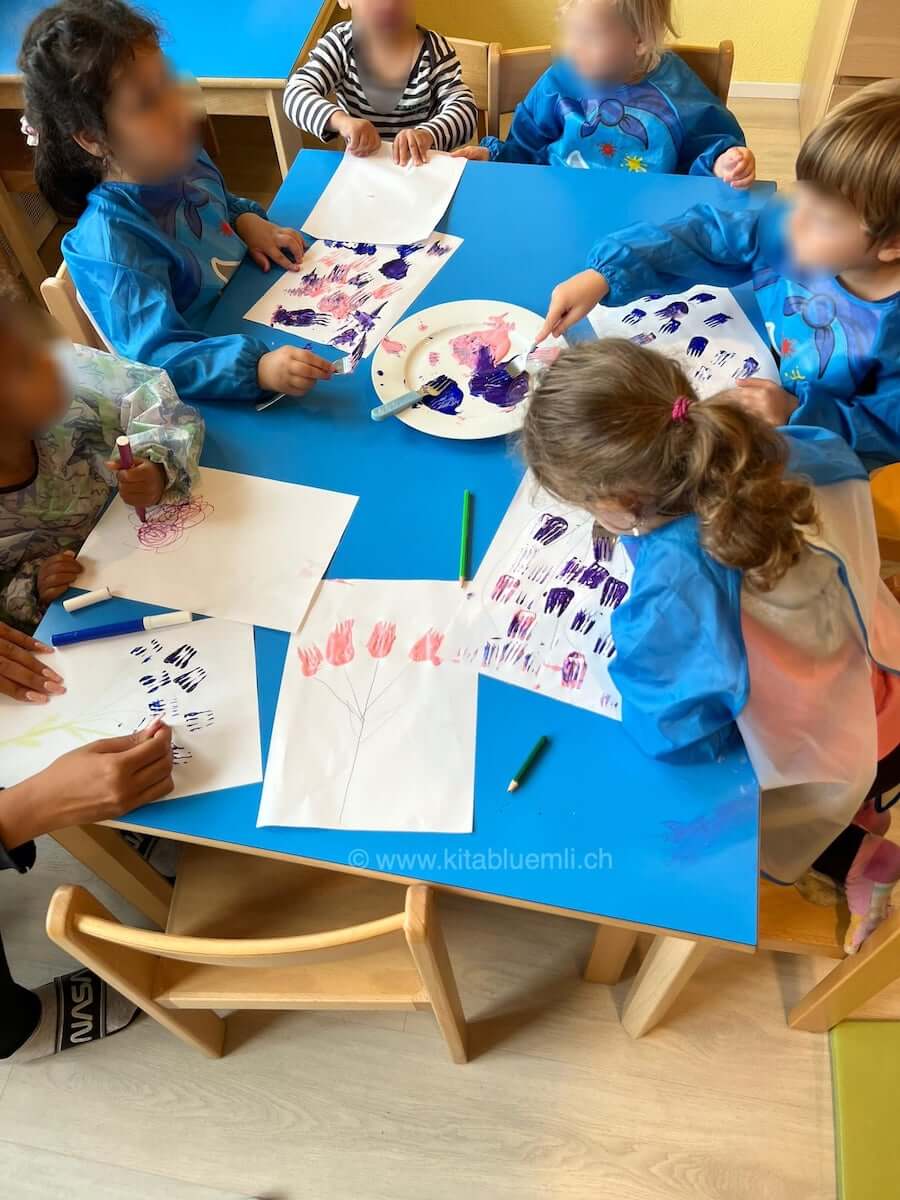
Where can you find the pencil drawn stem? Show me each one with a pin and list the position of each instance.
(344, 703)
(359, 738)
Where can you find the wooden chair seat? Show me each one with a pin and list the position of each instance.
(789, 923)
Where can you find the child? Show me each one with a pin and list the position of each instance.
(158, 234)
(826, 275)
(617, 100)
(755, 601)
(60, 415)
(391, 78)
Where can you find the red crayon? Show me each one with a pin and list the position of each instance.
(126, 461)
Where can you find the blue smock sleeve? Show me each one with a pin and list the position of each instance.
(704, 244)
(238, 206)
(536, 125)
(133, 306)
(710, 131)
(680, 663)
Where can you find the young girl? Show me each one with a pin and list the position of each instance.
(61, 410)
(756, 600)
(158, 234)
(615, 99)
(391, 78)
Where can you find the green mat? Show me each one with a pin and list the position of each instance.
(865, 1070)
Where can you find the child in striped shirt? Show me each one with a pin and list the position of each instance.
(392, 79)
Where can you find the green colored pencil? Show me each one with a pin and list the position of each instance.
(465, 539)
(519, 777)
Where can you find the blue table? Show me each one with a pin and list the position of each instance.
(599, 832)
(241, 51)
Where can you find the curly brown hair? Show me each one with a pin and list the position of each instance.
(600, 427)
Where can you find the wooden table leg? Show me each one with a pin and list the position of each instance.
(610, 951)
(287, 137)
(113, 861)
(669, 965)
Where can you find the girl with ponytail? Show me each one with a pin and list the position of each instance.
(756, 607)
(157, 231)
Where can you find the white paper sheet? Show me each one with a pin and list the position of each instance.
(374, 729)
(373, 200)
(704, 328)
(243, 548)
(351, 296)
(200, 678)
(538, 612)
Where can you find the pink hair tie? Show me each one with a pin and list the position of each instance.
(680, 409)
(28, 132)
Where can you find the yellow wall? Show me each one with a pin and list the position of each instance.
(771, 37)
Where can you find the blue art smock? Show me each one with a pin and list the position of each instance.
(150, 261)
(701, 655)
(840, 355)
(668, 123)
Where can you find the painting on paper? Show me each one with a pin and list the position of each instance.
(349, 294)
(704, 328)
(538, 613)
(375, 729)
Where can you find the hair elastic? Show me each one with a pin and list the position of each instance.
(29, 132)
(680, 409)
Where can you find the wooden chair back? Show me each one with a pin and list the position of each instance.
(713, 64)
(480, 63)
(62, 302)
(248, 932)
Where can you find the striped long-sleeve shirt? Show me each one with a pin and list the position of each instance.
(435, 97)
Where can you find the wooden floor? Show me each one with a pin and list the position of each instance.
(722, 1103)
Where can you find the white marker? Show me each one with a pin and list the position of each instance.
(87, 599)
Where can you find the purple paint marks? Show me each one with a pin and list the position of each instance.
(447, 398)
(364, 248)
(467, 347)
(604, 545)
(594, 575)
(583, 622)
(677, 308)
(718, 319)
(297, 318)
(505, 588)
(702, 297)
(338, 304)
(558, 600)
(749, 368)
(644, 339)
(723, 358)
(495, 384)
(347, 337)
(189, 681)
(697, 346)
(397, 268)
(614, 592)
(521, 623)
(604, 646)
(571, 570)
(670, 326)
(634, 317)
(438, 249)
(181, 657)
(574, 670)
(551, 529)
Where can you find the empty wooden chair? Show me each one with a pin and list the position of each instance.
(245, 932)
(480, 62)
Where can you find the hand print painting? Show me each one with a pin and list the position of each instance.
(704, 327)
(375, 727)
(539, 610)
(199, 678)
(350, 294)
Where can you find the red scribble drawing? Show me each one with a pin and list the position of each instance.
(166, 524)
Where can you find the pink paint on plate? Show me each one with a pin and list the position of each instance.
(389, 346)
(434, 358)
(496, 337)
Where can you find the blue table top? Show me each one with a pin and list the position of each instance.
(217, 39)
(609, 832)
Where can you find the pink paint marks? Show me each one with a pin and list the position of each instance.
(310, 660)
(389, 346)
(386, 290)
(545, 355)
(381, 640)
(434, 358)
(495, 338)
(339, 304)
(427, 648)
(423, 328)
(339, 647)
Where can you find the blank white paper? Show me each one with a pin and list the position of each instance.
(200, 678)
(704, 328)
(242, 548)
(374, 729)
(373, 200)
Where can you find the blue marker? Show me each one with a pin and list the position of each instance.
(119, 627)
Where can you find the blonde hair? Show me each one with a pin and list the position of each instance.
(855, 153)
(649, 20)
(601, 427)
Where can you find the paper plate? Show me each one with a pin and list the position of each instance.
(466, 341)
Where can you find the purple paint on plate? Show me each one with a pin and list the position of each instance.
(495, 384)
(448, 398)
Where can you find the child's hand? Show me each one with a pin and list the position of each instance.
(266, 242)
(473, 153)
(292, 371)
(767, 400)
(736, 166)
(571, 301)
(361, 136)
(142, 485)
(22, 676)
(57, 574)
(412, 145)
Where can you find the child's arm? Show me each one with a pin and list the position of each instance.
(456, 119)
(869, 423)
(536, 125)
(306, 93)
(714, 143)
(19, 603)
(680, 664)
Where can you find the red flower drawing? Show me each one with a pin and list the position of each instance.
(310, 660)
(381, 639)
(226, 229)
(339, 647)
(787, 348)
(607, 149)
(427, 647)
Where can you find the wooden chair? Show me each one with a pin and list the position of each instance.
(886, 502)
(521, 69)
(62, 302)
(480, 63)
(245, 932)
(787, 923)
